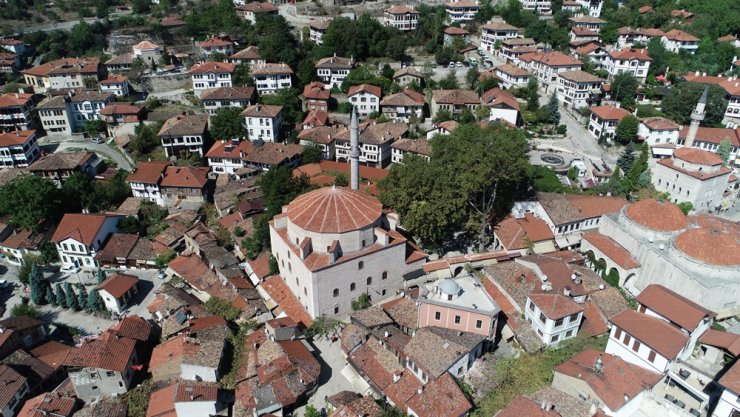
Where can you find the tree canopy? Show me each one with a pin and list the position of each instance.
(362, 38)
(28, 200)
(227, 123)
(682, 98)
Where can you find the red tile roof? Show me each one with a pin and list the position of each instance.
(67, 65)
(631, 54)
(710, 246)
(217, 67)
(618, 380)
(610, 112)
(162, 403)
(12, 383)
(679, 35)
(612, 249)
(524, 407)
(334, 210)
(660, 123)
(673, 306)
(215, 41)
(657, 215)
(513, 232)
(714, 135)
(401, 391)
(105, 352)
(48, 404)
(281, 294)
(401, 9)
(191, 392)
(148, 172)
(132, 327)
(724, 340)
(51, 353)
(15, 138)
(551, 59)
(731, 379)
(440, 398)
(316, 90)
(118, 284)
(185, 177)
(496, 96)
(369, 88)
(657, 334)
(165, 352)
(79, 226)
(14, 99)
(698, 156)
(555, 306)
(455, 31)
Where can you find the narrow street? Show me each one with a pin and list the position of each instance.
(56, 145)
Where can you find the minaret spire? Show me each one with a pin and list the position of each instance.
(696, 118)
(354, 150)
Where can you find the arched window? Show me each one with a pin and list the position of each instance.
(385, 275)
(369, 280)
(336, 292)
(352, 286)
(360, 265)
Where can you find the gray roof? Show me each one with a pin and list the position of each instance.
(436, 350)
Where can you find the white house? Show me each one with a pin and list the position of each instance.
(80, 235)
(216, 98)
(217, 44)
(511, 76)
(333, 70)
(365, 98)
(547, 66)
(676, 40)
(184, 135)
(502, 105)
(401, 17)
(67, 114)
(729, 402)
(115, 84)
(249, 55)
(588, 22)
(211, 75)
(316, 30)
(494, 32)
(577, 89)
(629, 36)
(541, 7)
(604, 120)
(18, 149)
(17, 111)
(443, 128)
(632, 61)
(149, 52)
(554, 317)
(659, 131)
(250, 11)
(462, 11)
(269, 78)
(402, 106)
(144, 180)
(263, 122)
(117, 291)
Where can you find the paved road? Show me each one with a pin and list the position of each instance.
(57, 145)
(69, 24)
(331, 380)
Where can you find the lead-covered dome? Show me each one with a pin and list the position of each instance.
(334, 210)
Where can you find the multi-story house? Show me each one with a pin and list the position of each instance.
(269, 78)
(453, 33)
(217, 44)
(149, 52)
(401, 107)
(513, 49)
(316, 30)
(232, 157)
(54, 117)
(103, 366)
(184, 184)
(629, 36)
(729, 402)
(9, 63)
(79, 236)
(676, 40)
(316, 96)
(592, 6)
(635, 62)
(547, 65)
(554, 317)
(401, 17)
(592, 51)
(604, 120)
(462, 11)
(404, 147)
(14, 391)
(333, 70)
(660, 132)
(323, 137)
(59, 166)
(579, 35)
(184, 135)
(211, 75)
(263, 122)
(541, 7)
(17, 111)
(408, 75)
(117, 291)
(145, 178)
(511, 76)
(249, 55)
(365, 98)
(115, 115)
(577, 89)
(250, 11)
(502, 106)
(587, 22)
(454, 101)
(18, 149)
(375, 143)
(65, 73)
(115, 84)
(67, 114)
(216, 98)
(495, 32)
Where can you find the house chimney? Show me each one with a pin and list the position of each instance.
(599, 364)
(420, 390)
(354, 150)
(594, 408)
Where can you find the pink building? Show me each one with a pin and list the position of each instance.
(458, 304)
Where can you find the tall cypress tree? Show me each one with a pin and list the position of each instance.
(50, 297)
(61, 297)
(71, 297)
(38, 289)
(82, 297)
(101, 276)
(94, 302)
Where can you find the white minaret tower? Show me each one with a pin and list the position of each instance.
(354, 150)
(696, 118)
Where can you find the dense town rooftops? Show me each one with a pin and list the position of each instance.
(334, 210)
(316, 90)
(105, 352)
(258, 7)
(713, 135)
(49, 404)
(65, 66)
(555, 306)
(659, 335)
(440, 397)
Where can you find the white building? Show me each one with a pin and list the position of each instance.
(604, 120)
(117, 291)
(660, 134)
(263, 122)
(233, 157)
(17, 111)
(502, 106)
(375, 143)
(269, 78)
(588, 22)
(250, 11)
(401, 17)
(249, 55)
(404, 147)
(495, 32)
(333, 70)
(149, 52)
(216, 98)
(64, 74)
(18, 149)
(401, 107)
(462, 11)
(217, 44)
(365, 98)
(628, 36)
(632, 61)
(729, 401)
(144, 180)
(102, 366)
(554, 317)
(731, 85)
(316, 30)
(592, 6)
(115, 84)
(541, 7)
(547, 65)
(443, 128)
(79, 236)
(512, 76)
(184, 135)
(676, 40)
(211, 75)
(68, 114)
(578, 89)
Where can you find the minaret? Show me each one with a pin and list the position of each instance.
(696, 117)
(354, 150)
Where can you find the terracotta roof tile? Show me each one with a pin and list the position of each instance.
(713, 135)
(731, 379)
(657, 215)
(698, 156)
(184, 125)
(401, 9)
(496, 97)
(216, 67)
(513, 232)
(725, 340)
(335, 62)
(555, 306)
(609, 112)
(193, 392)
(580, 77)
(13, 382)
(571, 208)
(228, 93)
(316, 90)
(118, 284)
(660, 123)
(407, 98)
(250, 52)
(673, 306)
(441, 397)
(48, 404)
(512, 70)
(105, 352)
(349, 209)
(14, 99)
(148, 172)
(79, 226)
(552, 59)
(523, 406)
(612, 249)
(262, 110)
(132, 327)
(185, 177)
(162, 402)
(657, 334)
(271, 69)
(679, 35)
(65, 65)
(368, 88)
(281, 294)
(16, 138)
(711, 246)
(456, 97)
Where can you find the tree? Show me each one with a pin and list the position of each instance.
(164, 258)
(61, 296)
(626, 131)
(470, 181)
(144, 142)
(29, 200)
(227, 124)
(27, 263)
(242, 75)
(82, 298)
(292, 111)
(38, 285)
(78, 192)
(94, 302)
(24, 309)
(362, 302)
(685, 207)
(323, 327)
(49, 295)
(624, 86)
(101, 276)
(552, 108)
(627, 158)
(312, 153)
(471, 77)
(682, 98)
(532, 96)
(724, 149)
(49, 253)
(72, 301)
(442, 115)
(449, 82)
(544, 179)
(311, 411)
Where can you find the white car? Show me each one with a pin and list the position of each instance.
(459, 64)
(70, 269)
(451, 65)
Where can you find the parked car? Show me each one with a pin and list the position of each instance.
(451, 65)
(97, 139)
(70, 269)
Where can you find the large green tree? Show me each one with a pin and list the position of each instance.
(682, 98)
(227, 123)
(242, 75)
(29, 200)
(468, 184)
(626, 131)
(624, 88)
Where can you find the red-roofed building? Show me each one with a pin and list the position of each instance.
(117, 291)
(18, 110)
(18, 149)
(211, 75)
(79, 236)
(676, 40)
(404, 105)
(317, 96)
(523, 406)
(547, 65)
(250, 11)
(632, 61)
(181, 184)
(604, 120)
(49, 404)
(502, 106)
(365, 98)
(440, 398)
(115, 84)
(729, 402)
(63, 73)
(13, 390)
(554, 317)
(520, 235)
(401, 17)
(214, 44)
(184, 135)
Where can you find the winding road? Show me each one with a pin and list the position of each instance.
(85, 144)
